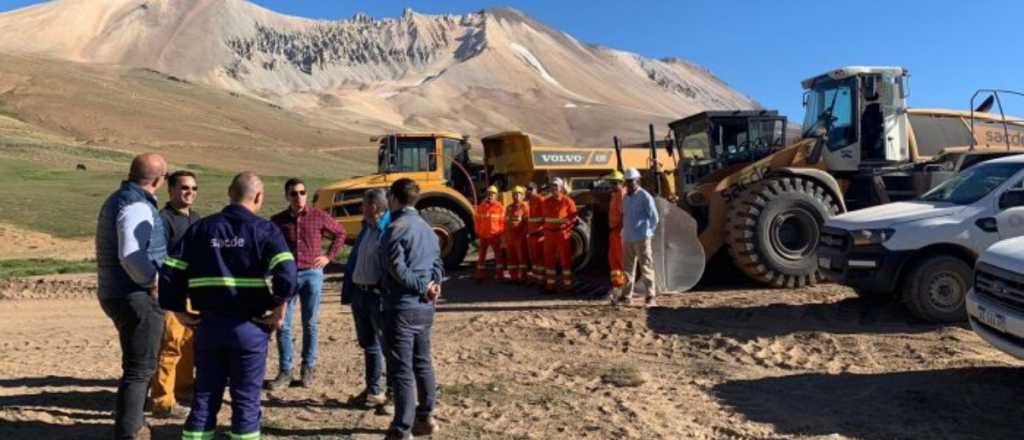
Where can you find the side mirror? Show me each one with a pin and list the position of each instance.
(1011, 199)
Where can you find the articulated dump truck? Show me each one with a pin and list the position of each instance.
(861, 146)
(451, 183)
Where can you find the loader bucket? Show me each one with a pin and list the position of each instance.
(678, 255)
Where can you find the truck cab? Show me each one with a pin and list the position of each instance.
(922, 250)
(439, 162)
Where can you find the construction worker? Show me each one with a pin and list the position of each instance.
(221, 266)
(516, 222)
(535, 234)
(559, 219)
(490, 226)
(615, 257)
(174, 374)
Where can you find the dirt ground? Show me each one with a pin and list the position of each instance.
(17, 243)
(724, 362)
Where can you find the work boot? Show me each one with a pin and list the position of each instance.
(395, 435)
(424, 426)
(283, 380)
(175, 411)
(369, 400)
(308, 377)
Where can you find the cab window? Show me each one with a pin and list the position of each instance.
(416, 154)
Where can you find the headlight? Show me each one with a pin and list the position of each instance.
(867, 237)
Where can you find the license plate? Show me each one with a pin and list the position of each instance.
(992, 319)
(825, 262)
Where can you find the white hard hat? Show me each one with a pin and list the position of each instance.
(631, 174)
(558, 182)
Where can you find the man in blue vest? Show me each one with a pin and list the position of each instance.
(221, 266)
(130, 247)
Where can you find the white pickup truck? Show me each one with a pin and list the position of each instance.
(995, 304)
(923, 251)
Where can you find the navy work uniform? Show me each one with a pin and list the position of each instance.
(221, 266)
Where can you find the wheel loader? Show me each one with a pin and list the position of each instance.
(451, 183)
(860, 146)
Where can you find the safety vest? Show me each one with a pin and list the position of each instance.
(490, 219)
(615, 209)
(559, 215)
(516, 219)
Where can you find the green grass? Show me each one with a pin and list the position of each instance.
(65, 202)
(45, 266)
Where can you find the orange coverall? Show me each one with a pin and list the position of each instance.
(559, 218)
(535, 239)
(615, 257)
(490, 226)
(516, 222)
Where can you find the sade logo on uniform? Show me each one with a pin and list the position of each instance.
(233, 242)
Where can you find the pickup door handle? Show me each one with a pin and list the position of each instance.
(987, 224)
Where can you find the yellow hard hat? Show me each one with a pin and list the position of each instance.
(492, 189)
(615, 176)
(519, 190)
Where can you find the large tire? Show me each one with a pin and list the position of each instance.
(935, 289)
(452, 234)
(772, 231)
(581, 248)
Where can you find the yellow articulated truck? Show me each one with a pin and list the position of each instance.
(451, 183)
(860, 146)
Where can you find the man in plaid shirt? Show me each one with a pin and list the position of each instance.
(304, 229)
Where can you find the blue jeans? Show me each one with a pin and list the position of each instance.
(367, 315)
(410, 373)
(311, 282)
(139, 322)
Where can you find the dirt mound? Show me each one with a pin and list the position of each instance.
(48, 287)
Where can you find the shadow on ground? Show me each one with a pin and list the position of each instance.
(851, 315)
(967, 403)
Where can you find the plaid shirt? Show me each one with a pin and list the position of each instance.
(305, 232)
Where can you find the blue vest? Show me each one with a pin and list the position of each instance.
(112, 280)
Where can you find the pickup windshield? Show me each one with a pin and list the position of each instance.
(973, 184)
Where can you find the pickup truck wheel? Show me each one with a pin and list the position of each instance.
(936, 287)
(773, 230)
(452, 234)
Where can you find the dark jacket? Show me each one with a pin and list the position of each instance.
(112, 278)
(222, 265)
(411, 258)
(176, 224)
(347, 287)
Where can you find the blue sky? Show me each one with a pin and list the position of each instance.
(765, 48)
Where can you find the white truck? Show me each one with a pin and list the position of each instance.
(923, 251)
(995, 304)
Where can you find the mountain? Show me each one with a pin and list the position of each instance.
(477, 73)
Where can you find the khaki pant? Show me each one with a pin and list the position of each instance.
(639, 268)
(174, 373)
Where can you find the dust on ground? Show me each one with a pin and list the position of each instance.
(17, 243)
(730, 362)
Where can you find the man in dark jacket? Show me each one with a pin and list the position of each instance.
(130, 246)
(222, 266)
(361, 288)
(174, 375)
(411, 258)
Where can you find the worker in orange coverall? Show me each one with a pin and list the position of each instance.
(615, 257)
(490, 226)
(559, 219)
(535, 234)
(517, 214)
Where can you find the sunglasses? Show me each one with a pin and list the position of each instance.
(297, 193)
(189, 188)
